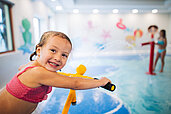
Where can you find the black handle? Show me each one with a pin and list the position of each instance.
(108, 86)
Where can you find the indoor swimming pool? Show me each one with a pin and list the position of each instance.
(116, 39)
(136, 92)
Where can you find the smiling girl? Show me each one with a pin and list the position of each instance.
(35, 80)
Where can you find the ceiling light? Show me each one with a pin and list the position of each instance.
(75, 11)
(115, 10)
(95, 11)
(59, 8)
(154, 11)
(53, 0)
(134, 11)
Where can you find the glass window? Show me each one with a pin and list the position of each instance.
(36, 27)
(6, 40)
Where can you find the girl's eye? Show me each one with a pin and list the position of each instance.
(52, 50)
(64, 55)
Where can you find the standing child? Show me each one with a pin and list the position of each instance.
(162, 43)
(35, 80)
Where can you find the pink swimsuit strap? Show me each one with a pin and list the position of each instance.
(21, 91)
(25, 70)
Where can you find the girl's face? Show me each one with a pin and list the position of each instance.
(54, 53)
(161, 33)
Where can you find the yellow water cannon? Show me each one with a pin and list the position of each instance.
(81, 69)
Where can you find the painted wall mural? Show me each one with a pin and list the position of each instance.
(134, 34)
(131, 39)
(27, 47)
(107, 33)
(120, 25)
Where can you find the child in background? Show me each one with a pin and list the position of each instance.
(162, 43)
(35, 80)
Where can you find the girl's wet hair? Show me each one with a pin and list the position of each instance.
(44, 38)
(164, 33)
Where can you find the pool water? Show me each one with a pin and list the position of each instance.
(136, 93)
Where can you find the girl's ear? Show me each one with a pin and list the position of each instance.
(38, 51)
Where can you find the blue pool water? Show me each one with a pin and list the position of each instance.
(136, 93)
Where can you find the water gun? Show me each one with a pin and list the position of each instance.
(81, 69)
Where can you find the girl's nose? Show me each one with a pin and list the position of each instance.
(58, 57)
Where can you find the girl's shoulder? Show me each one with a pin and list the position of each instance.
(21, 67)
(30, 65)
(31, 70)
(31, 74)
(36, 69)
(161, 38)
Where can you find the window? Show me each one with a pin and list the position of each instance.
(36, 27)
(6, 39)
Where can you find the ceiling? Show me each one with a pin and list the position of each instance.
(106, 6)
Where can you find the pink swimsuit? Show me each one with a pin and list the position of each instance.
(19, 90)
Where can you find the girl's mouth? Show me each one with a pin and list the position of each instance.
(53, 64)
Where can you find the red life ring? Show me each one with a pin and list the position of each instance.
(120, 25)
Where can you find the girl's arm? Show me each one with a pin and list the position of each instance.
(165, 43)
(45, 77)
(156, 42)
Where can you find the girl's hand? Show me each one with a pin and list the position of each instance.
(104, 81)
(156, 42)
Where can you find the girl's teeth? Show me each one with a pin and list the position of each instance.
(54, 64)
